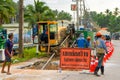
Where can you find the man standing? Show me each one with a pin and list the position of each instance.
(89, 42)
(100, 52)
(8, 53)
(81, 41)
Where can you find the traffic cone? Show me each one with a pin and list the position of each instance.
(96, 61)
(109, 54)
(105, 58)
(92, 65)
(111, 51)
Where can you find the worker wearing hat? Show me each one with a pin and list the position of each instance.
(81, 41)
(100, 51)
(89, 42)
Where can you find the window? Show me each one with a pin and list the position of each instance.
(53, 28)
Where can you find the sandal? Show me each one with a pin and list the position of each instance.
(3, 71)
(8, 73)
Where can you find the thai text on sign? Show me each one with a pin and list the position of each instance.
(75, 58)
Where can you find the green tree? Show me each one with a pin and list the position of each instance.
(101, 20)
(107, 11)
(64, 16)
(116, 12)
(41, 12)
(93, 15)
(37, 12)
(56, 14)
(111, 20)
(7, 10)
(48, 15)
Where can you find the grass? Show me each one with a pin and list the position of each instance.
(29, 53)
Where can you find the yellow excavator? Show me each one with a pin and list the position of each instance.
(48, 35)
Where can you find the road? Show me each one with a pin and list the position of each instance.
(112, 70)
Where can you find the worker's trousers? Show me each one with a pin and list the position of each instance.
(100, 59)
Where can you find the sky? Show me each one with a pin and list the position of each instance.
(92, 5)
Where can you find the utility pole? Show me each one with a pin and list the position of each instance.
(82, 13)
(77, 12)
(21, 28)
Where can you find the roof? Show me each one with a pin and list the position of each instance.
(47, 22)
(104, 32)
(14, 25)
(104, 28)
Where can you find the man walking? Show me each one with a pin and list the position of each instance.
(100, 52)
(8, 53)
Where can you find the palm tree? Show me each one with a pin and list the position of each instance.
(116, 12)
(56, 14)
(107, 11)
(21, 21)
(7, 10)
(37, 12)
(64, 16)
(110, 13)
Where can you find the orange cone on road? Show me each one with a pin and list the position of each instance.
(92, 65)
(105, 57)
(96, 61)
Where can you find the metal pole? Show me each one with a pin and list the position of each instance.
(81, 12)
(48, 61)
(77, 12)
(74, 16)
(53, 54)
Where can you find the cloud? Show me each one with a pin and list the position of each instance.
(102, 5)
(93, 5)
(59, 4)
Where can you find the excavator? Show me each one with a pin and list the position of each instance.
(48, 35)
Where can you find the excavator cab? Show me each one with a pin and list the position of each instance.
(47, 35)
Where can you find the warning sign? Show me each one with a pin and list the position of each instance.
(73, 7)
(75, 58)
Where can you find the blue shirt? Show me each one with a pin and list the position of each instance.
(82, 42)
(101, 44)
(8, 46)
(88, 44)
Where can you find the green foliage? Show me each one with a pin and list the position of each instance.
(64, 16)
(41, 12)
(29, 53)
(110, 19)
(33, 13)
(7, 10)
(37, 12)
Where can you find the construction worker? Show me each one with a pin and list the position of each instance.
(89, 42)
(100, 52)
(44, 36)
(81, 41)
(103, 37)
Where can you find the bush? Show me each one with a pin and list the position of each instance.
(29, 53)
